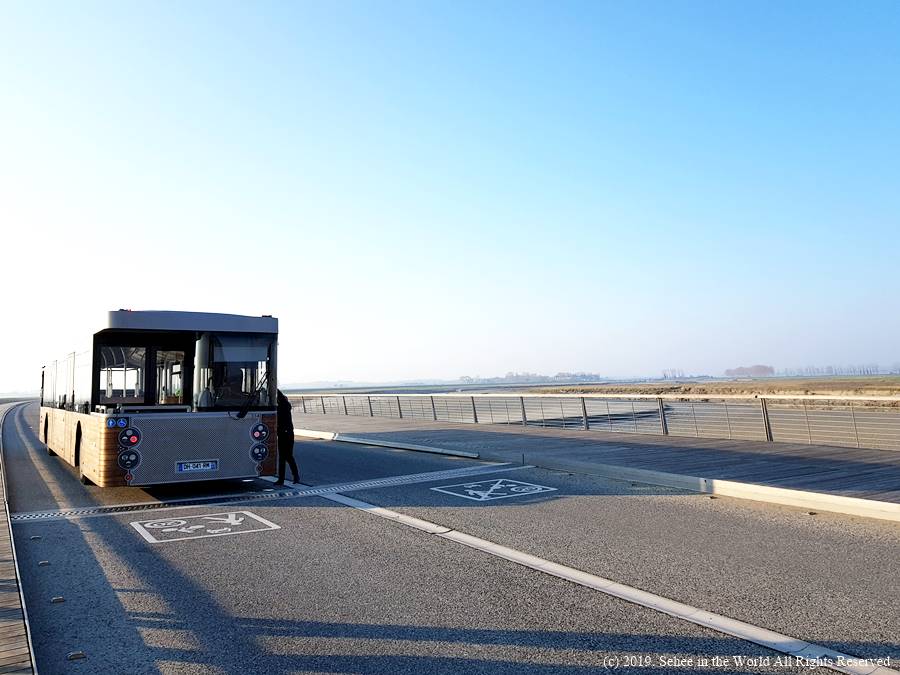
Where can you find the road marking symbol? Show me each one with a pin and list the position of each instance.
(486, 490)
(163, 530)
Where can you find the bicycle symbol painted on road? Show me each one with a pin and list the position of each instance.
(196, 527)
(486, 490)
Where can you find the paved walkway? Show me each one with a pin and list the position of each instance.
(15, 652)
(847, 472)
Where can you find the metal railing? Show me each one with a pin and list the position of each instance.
(861, 422)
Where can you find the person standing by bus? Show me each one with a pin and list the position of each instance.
(285, 440)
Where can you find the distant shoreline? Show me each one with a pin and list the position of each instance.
(874, 385)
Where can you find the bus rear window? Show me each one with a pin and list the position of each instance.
(169, 376)
(123, 373)
(231, 368)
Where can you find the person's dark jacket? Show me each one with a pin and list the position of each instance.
(285, 421)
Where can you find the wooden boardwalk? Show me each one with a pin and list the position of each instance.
(15, 649)
(848, 472)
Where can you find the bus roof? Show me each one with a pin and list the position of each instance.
(125, 319)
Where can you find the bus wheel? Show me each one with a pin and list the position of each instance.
(84, 479)
(50, 452)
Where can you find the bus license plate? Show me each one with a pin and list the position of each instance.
(205, 465)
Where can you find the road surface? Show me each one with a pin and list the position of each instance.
(239, 577)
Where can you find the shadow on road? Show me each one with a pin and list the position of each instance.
(134, 608)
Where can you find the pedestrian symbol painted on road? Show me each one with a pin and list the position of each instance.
(163, 530)
(486, 490)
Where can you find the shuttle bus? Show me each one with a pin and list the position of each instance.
(165, 397)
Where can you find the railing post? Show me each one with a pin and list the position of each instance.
(728, 420)
(633, 417)
(474, 411)
(765, 416)
(344, 399)
(662, 418)
(562, 412)
(808, 432)
(399, 409)
(855, 430)
(303, 403)
(524, 418)
(694, 415)
(608, 416)
(369, 400)
(433, 409)
(584, 417)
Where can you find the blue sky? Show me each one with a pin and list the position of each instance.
(423, 189)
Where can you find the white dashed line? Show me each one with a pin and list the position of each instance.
(249, 497)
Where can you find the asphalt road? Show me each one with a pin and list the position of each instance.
(314, 586)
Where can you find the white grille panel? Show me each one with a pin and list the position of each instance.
(193, 437)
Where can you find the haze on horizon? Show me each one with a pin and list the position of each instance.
(422, 190)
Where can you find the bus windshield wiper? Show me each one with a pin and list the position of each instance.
(245, 408)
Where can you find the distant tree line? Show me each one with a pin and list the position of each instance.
(750, 371)
(826, 371)
(532, 378)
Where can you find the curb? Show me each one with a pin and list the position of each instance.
(12, 541)
(852, 506)
(319, 435)
(332, 436)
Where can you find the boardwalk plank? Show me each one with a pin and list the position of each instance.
(15, 655)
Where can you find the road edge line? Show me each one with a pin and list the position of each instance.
(795, 647)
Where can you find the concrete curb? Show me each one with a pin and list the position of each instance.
(332, 436)
(818, 501)
(319, 435)
(12, 541)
